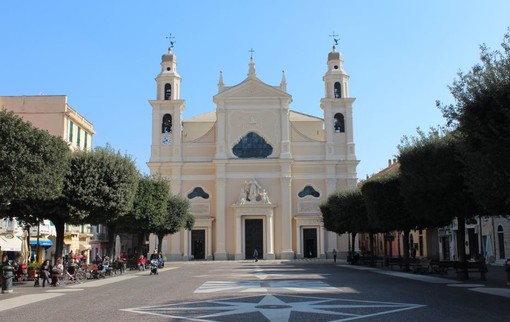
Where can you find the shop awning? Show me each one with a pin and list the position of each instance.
(45, 242)
(84, 246)
(12, 244)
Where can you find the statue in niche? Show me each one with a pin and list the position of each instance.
(253, 190)
(242, 197)
(252, 193)
(264, 197)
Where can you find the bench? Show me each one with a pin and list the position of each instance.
(470, 267)
(440, 267)
(396, 261)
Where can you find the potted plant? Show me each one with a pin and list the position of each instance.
(33, 269)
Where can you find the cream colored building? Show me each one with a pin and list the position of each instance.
(254, 170)
(54, 114)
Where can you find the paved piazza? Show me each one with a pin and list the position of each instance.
(265, 291)
(278, 300)
(276, 308)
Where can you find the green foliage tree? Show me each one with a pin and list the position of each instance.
(345, 212)
(33, 163)
(178, 216)
(433, 183)
(33, 169)
(386, 208)
(149, 209)
(101, 186)
(481, 115)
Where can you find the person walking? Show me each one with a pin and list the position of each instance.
(256, 255)
(334, 255)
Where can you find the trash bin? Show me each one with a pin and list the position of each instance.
(507, 270)
(7, 277)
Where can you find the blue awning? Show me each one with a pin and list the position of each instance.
(42, 242)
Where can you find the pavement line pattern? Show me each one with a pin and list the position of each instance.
(420, 277)
(301, 286)
(14, 302)
(505, 292)
(275, 308)
(101, 282)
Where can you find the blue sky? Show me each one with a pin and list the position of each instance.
(104, 55)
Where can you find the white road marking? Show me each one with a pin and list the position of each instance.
(14, 302)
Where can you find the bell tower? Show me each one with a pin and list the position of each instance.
(167, 112)
(337, 108)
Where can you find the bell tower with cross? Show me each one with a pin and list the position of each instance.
(337, 107)
(167, 110)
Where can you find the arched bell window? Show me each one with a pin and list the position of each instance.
(339, 123)
(338, 90)
(166, 125)
(168, 92)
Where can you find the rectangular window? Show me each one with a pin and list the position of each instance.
(67, 228)
(78, 136)
(71, 131)
(85, 140)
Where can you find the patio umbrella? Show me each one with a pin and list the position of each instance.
(25, 251)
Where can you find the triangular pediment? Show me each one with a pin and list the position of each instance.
(252, 88)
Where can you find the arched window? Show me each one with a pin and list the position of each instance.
(166, 125)
(338, 90)
(198, 192)
(252, 146)
(339, 123)
(308, 190)
(168, 92)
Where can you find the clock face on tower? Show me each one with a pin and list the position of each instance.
(166, 140)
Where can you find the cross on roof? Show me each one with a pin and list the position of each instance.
(335, 39)
(170, 38)
(251, 51)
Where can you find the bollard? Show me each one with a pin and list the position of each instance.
(507, 270)
(7, 277)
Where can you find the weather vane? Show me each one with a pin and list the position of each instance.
(335, 39)
(171, 39)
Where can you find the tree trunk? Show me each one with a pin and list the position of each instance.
(372, 255)
(141, 244)
(160, 242)
(405, 245)
(59, 244)
(461, 247)
(112, 229)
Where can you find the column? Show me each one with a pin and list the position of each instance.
(239, 254)
(270, 237)
(299, 247)
(220, 253)
(209, 241)
(322, 234)
(175, 247)
(287, 252)
(185, 244)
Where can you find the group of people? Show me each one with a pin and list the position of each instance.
(142, 261)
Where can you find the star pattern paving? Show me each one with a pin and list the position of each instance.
(275, 308)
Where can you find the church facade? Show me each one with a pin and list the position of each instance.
(254, 170)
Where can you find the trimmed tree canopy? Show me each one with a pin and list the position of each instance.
(32, 161)
(482, 116)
